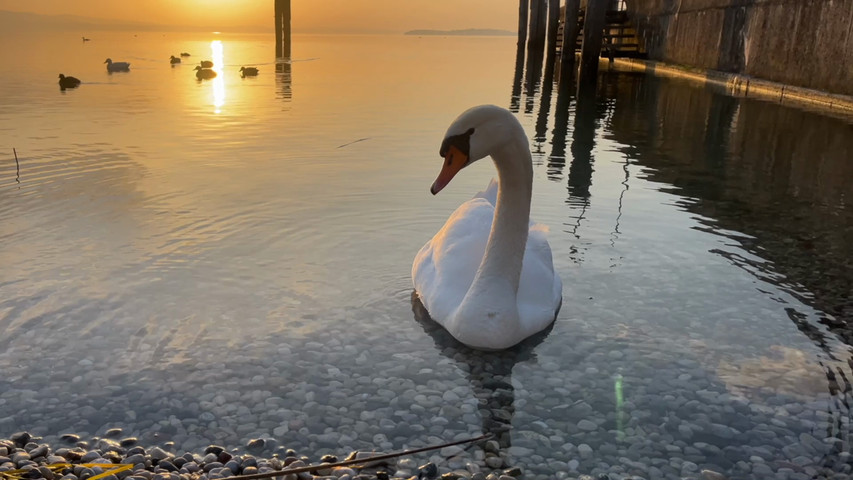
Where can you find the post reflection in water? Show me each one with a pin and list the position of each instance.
(490, 376)
(218, 56)
(284, 80)
(557, 157)
(774, 180)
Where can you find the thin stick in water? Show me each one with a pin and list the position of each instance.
(17, 166)
(308, 468)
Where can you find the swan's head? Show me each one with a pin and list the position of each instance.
(474, 135)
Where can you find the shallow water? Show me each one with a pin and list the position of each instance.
(210, 262)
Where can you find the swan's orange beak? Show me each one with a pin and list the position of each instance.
(453, 162)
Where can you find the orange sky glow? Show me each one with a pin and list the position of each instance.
(309, 16)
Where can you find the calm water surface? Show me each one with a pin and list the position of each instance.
(210, 262)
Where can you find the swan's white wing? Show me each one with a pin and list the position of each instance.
(444, 268)
(490, 193)
(540, 290)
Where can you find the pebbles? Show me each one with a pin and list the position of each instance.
(553, 411)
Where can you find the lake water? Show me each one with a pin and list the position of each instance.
(218, 261)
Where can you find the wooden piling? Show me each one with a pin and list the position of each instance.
(282, 28)
(523, 6)
(593, 29)
(537, 24)
(570, 38)
(553, 27)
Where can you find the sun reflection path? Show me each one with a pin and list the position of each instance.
(218, 56)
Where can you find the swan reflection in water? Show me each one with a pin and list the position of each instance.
(490, 376)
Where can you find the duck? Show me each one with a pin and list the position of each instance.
(206, 64)
(174, 60)
(117, 66)
(185, 54)
(488, 276)
(68, 82)
(204, 73)
(249, 71)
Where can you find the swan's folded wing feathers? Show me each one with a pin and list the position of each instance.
(445, 267)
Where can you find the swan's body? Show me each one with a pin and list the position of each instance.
(204, 73)
(249, 71)
(487, 276)
(68, 82)
(117, 66)
(174, 60)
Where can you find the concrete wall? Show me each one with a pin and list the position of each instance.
(808, 43)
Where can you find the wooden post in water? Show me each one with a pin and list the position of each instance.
(570, 38)
(282, 28)
(538, 20)
(553, 26)
(593, 30)
(523, 5)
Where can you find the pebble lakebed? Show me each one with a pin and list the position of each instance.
(555, 419)
(23, 457)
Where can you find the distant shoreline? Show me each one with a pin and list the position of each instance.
(465, 32)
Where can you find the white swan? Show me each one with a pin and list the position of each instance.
(487, 276)
(117, 66)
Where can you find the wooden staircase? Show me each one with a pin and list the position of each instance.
(619, 38)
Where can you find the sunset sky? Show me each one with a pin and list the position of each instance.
(326, 16)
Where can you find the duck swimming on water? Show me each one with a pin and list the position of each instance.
(204, 73)
(174, 60)
(117, 66)
(206, 64)
(249, 71)
(68, 82)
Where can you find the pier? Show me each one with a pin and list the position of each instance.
(805, 45)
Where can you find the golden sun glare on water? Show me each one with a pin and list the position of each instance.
(217, 53)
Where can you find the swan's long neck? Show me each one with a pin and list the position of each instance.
(505, 248)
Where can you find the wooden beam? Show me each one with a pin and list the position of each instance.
(537, 24)
(593, 29)
(553, 26)
(523, 6)
(570, 37)
(282, 28)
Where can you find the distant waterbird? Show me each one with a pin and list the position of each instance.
(86, 39)
(204, 73)
(174, 60)
(68, 82)
(206, 64)
(117, 66)
(185, 54)
(249, 71)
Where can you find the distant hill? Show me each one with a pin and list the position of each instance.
(467, 31)
(22, 21)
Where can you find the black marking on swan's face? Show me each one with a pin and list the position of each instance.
(462, 142)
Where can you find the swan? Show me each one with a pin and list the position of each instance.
(68, 82)
(117, 66)
(249, 71)
(174, 60)
(204, 73)
(487, 276)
